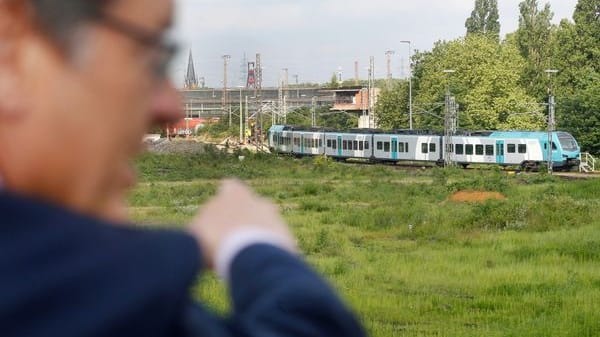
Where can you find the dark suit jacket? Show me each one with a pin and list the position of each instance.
(63, 274)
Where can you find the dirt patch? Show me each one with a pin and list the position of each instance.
(476, 196)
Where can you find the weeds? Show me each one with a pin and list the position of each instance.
(408, 260)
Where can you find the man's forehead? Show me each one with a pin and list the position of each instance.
(152, 14)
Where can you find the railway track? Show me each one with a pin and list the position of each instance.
(508, 170)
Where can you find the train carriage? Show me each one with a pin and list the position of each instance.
(526, 149)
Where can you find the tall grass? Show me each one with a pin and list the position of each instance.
(408, 260)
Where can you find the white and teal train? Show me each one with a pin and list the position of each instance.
(507, 148)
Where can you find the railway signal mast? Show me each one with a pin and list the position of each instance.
(450, 121)
(551, 117)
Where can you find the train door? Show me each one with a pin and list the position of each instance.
(500, 152)
(394, 148)
(339, 146)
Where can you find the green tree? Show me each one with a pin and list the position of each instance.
(300, 116)
(333, 82)
(484, 19)
(392, 107)
(581, 113)
(337, 120)
(485, 84)
(577, 55)
(534, 40)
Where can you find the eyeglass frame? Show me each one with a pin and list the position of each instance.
(167, 49)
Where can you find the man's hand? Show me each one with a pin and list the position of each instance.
(236, 209)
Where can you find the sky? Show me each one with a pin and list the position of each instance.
(315, 38)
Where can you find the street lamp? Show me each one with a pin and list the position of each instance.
(551, 117)
(410, 108)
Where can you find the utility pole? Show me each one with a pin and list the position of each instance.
(279, 101)
(224, 99)
(241, 118)
(246, 126)
(449, 122)
(371, 91)
(297, 86)
(313, 111)
(551, 118)
(286, 85)
(356, 75)
(258, 96)
(410, 76)
(285, 109)
(388, 55)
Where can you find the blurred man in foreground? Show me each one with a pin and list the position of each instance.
(80, 83)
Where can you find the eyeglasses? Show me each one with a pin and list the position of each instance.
(164, 50)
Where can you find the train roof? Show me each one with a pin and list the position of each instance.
(465, 133)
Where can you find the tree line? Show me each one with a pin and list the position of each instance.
(503, 84)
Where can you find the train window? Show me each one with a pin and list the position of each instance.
(489, 150)
(522, 148)
(350, 144)
(386, 147)
(401, 147)
(361, 145)
(329, 143)
(469, 149)
(511, 148)
(345, 145)
(406, 147)
(320, 142)
(366, 145)
(554, 146)
(424, 148)
(460, 149)
(379, 146)
(334, 144)
(479, 150)
(432, 147)
(355, 147)
(450, 148)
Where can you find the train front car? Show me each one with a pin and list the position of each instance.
(567, 153)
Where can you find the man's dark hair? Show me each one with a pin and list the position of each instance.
(60, 18)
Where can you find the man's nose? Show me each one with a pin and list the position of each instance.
(166, 105)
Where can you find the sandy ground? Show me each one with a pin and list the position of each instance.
(475, 196)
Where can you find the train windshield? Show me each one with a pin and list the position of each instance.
(567, 142)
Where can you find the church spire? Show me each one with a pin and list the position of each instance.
(191, 81)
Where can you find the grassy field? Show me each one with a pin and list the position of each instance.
(408, 260)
